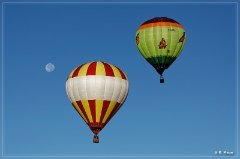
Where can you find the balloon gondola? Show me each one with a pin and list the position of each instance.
(97, 90)
(95, 139)
(161, 79)
(160, 41)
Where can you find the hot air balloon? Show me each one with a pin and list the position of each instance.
(97, 90)
(160, 41)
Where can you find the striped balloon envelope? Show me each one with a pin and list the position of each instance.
(160, 41)
(97, 90)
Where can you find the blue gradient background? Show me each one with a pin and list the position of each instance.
(192, 114)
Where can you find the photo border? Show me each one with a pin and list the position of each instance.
(237, 95)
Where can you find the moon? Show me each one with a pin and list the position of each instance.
(49, 67)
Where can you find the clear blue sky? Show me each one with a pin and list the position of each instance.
(192, 114)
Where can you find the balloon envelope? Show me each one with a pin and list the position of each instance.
(160, 41)
(97, 90)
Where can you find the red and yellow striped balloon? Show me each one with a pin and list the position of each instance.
(97, 90)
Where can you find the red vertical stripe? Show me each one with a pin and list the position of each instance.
(104, 110)
(108, 70)
(92, 69)
(92, 106)
(116, 107)
(75, 73)
(122, 74)
(79, 103)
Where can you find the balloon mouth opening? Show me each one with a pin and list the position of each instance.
(160, 70)
(96, 130)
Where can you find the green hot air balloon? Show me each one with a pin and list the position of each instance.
(160, 41)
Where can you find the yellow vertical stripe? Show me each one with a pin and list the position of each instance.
(87, 109)
(99, 105)
(100, 70)
(109, 110)
(115, 71)
(79, 111)
(83, 70)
